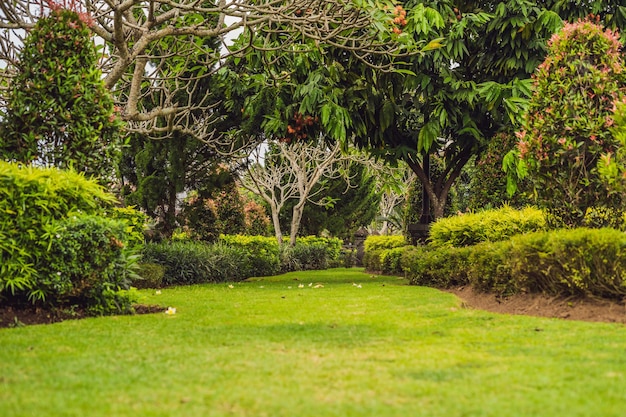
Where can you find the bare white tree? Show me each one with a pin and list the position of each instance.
(157, 56)
(392, 182)
(292, 172)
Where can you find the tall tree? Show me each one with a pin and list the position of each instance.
(140, 70)
(346, 206)
(453, 100)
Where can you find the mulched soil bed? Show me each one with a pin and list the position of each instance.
(15, 316)
(599, 310)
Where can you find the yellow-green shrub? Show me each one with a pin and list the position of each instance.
(263, 252)
(32, 201)
(375, 242)
(485, 226)
(582, 262)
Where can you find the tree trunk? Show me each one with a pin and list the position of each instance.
(276, 222)
(296, 217)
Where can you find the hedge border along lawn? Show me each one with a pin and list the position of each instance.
(267, 347)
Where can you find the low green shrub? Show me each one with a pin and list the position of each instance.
(86, 262)
(150, 275)
(36, 205)
(442, 267)
(578, 262)
(311, 253)
(376, 242)
(384, 255)
(371, 260)
(197, 262)
(486, 226)
(332, 246)
(391, 260)
(262, 252)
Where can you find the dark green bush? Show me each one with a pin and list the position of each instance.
(197, 262)
(150, 275)
(485, 226)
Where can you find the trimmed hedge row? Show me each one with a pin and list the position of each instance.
(383, 253)
(235, 258)
(581, 262)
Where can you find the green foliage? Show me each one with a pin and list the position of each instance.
(568, 124)
(579, 262)
(87, 262)
(442, 267)
(488, 183)
(489, 225)
(136, 224)
(150, 275)
(332, 245)
(32, 201)
(303, 256)
(59, 112)
(375, 242)
(351, 208)
(229, 210)
(208, 214)
(262, 252)
(198, 262)
(256, 220)
(386, 261)
(382, 253)
(612, 165)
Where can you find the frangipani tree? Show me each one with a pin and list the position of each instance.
(155, 50)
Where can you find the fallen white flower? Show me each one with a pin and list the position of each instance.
(170, 311)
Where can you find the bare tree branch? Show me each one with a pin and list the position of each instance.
(156, 53)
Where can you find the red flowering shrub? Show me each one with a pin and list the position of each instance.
(568, 124)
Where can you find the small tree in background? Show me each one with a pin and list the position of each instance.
(59, 112)
(256, 220)
(568, 126)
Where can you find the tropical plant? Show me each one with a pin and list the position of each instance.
(59, 112)
(568, 125)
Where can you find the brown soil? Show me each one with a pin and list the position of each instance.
(13, 316)
(544, 306)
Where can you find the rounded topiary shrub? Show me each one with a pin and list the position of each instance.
(568, 124)
(59, 112)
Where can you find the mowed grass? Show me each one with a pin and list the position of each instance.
(268, 348)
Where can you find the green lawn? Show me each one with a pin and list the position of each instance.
(268, 348)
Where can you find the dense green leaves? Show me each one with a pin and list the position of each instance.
(57, 244)
(59, 112)
(568, 124)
